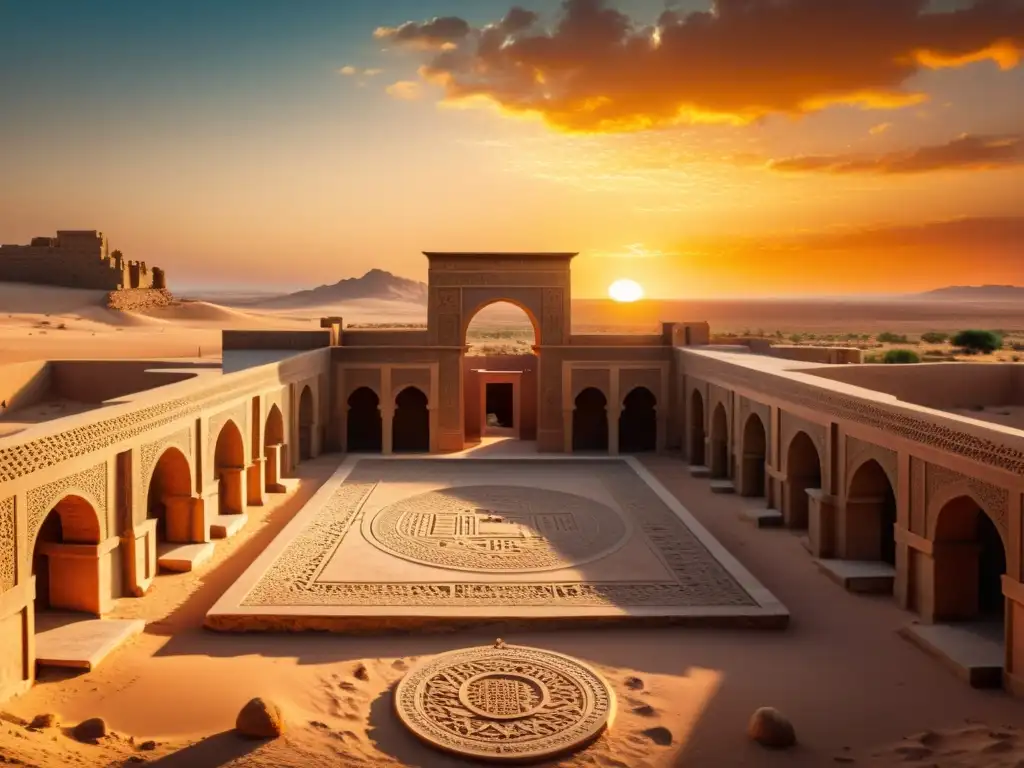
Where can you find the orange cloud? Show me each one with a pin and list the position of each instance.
(405, 89)
(879, 129)
(964, 153)
(597, 70)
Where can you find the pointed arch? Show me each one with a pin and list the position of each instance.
(364, 431)
(410, 427)
(754, 451)
(590, 421)
(638, 422)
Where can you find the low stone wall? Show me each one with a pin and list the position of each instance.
(138, 299)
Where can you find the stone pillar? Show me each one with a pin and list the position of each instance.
(140, 546)
(255, 482)
(567, 417)
(387, 420)
(944, 581)
(180, 518)
(1013, 666)
(821, 523)
(858, 530)
(17, 639)
(231, 491)
(272, 469)
(662, 437)
(750, 482)
(80, 575)
(793, 491)
(613, 413)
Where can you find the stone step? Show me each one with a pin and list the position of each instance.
(285, 485)
(181, 558)
(973, 651)
(698, 470)
(863, 576)
(83, 643)
(722, 486)
(763, 517)
(226, 526)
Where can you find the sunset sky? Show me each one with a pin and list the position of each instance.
(727, 148)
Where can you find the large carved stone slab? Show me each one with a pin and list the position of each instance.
(505, 703)
(403, 544)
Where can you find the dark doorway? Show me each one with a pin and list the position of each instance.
(638, 422)
(499, 405)
(51, 530)
(991, 567)
(306, 424)
(887, 548)
(590, 421)
(364, 430)
(410, 430)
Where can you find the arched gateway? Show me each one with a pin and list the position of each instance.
(460, 284)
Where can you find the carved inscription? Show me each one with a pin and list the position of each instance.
(504, 703)
(508, 529)
(994, 500)
(499, 278)
(90, 483)
(860, 451)
(697, 578)
(8, 546)
(553, 322)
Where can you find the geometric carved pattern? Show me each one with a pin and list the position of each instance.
(860, 451)
(90, 483)
(8, 545)
(791, 425)
(698, 579)
(890, 418)
(497, 528)
(504, 703)
(994, 500)
(552, 322)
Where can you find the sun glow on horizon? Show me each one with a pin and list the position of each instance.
(625, 291)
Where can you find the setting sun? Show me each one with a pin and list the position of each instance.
(625, 290)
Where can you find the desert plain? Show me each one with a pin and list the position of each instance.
(855, 691)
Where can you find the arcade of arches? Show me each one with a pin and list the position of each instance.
(941, 554)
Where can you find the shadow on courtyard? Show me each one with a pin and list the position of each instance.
(218, 749)
(829, 672)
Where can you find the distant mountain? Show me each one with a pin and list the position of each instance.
(976, 293)
(375, 284)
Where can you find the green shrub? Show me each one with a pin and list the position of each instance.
(974, 342)
(872, 358)
(891, 338)
(901, 357)
(796, 338)
(934, 337)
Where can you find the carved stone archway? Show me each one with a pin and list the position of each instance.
(460, 284)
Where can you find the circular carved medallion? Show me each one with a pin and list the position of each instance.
(505, 703)
(497, 528)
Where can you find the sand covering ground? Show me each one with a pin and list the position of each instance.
(853, 688)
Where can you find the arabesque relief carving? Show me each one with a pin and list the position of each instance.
(8, 545)
(994, 500)
(91, 482)
(859, 451)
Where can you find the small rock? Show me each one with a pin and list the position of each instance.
(90, 731)
(660, 736)
(49, 720)
(147, 746)
(644, 710)
(361, 673)
(634, 683)
(260, 719)
(318, 724)
(770, 728)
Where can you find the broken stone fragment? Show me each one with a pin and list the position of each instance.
(770, 728)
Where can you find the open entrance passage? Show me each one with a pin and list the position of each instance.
(590, 421)
(169, 499)
(306, 424)
(228, 466)
(499, 405)
(67, 576)
(364, 430)
(719, 443)
(638, 422)
(696, 431)
(410, 429)
(968, 577)
(870, 516)
(803, 472)
(274, 450)
(754, 452)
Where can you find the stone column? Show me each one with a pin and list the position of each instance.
(662, 436)
(17, 638)
(255, 482)
(432, 416)
(1013, 666)
(80, 575)
(750, 482)
(272, 469)
(613, 413)
(858, 530)
(944, 584)
(387, 420)
(140, 548)
(231, 491)
(821, 523)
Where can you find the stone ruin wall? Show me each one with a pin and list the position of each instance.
(76, 259)
(139, 299)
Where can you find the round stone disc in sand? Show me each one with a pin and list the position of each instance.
(505, 703)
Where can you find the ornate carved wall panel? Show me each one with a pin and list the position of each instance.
(918, 497)
(500, 278)
(8, 545)
(791, 425)
(238, 414)
(151, 452)
(943, 485)
(553, 318)
(894, 419)
(450, 386)
(449, 330)
(860, 451)
(90, 484)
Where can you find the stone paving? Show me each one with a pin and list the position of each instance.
(397, 543)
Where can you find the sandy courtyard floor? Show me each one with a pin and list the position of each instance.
(852, 687)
